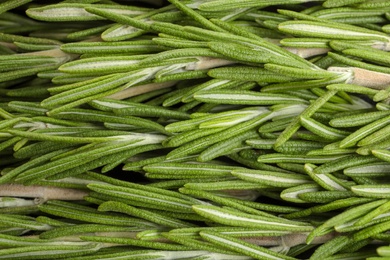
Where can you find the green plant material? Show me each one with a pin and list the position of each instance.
(230, 217)
(241, 247)
(344, 217)
(194, 129)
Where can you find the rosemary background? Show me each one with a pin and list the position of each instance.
(196, 129)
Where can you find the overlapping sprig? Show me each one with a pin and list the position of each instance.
(195, 130)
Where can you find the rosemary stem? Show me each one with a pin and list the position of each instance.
(43, 193)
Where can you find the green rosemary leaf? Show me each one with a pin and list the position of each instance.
(309, 111)
(194, 15)
(69, 230)
(247, 73)
(235, 218)
(275, 179)
(356, 136)
(200, 144)
(142, 213)
(71, 211)
(331, 247)
(298, 72)
(372, 191)
(335, 3)
(197, 170)
(322, 130)
(130, 47)
(66, 12)
(344, 217)
(135, 242)
(292, 194)
(240, 246)
(157, 200)
(367, 170)
(49, 252)
(330, 30)
(244, 97)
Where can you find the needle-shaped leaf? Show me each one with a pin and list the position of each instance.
(337, 3)
(242, 247)
(309, 111)
(188, 136)
(9, 5)
(226, 147)
(248, 73)
(109, 83)
(322, 130)
(90, 215)
(371, 231)
(370, 169)
(344, 162)
(374, 4)
(330, 30)
(21, 221)
(224, 185)
(361, 70)
(127, 108)
(292, 194)
(197, 170)
(305, 42)
(89, 115)
(253, 54)
(331, 247)
(136, 243)
(209, 85)
(101, 65)
(196, 16)
(130, 47)
(8, 240)
(274, 179)
(58, 138)
(200, 144)
(376, 56)
(325, 196)
(244, 97)
(49, 252)
(144, 214)
(279, 158)
(373, 214)
(326, 180)
(299, 73)
(195, 243)
(372, 191)
(120, 32)
(334, 205)
(358, 119)
(383, 250)
(76, 160)
(356, 136)
(375, 137)
(217, 119)
(121, 18)
(236, 218)
(76, 12)
(344, 217)
(156, 200)
(79, 229)
(224, 201)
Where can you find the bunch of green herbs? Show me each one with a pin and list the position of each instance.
(195, 129)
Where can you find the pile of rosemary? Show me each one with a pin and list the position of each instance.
(195, 129)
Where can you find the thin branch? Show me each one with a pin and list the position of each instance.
(43, 193)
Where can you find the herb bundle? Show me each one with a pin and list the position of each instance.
(195, 129)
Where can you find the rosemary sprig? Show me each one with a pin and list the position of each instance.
(194, 129)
